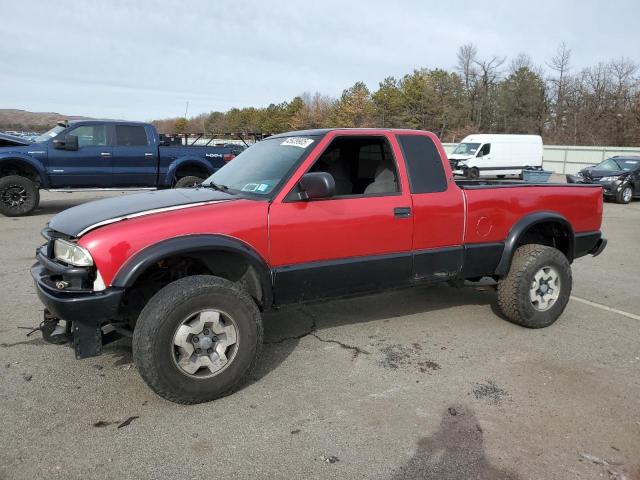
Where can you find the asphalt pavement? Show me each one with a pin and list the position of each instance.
(424, 383)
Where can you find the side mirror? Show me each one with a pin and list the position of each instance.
(317, 185)
(71, 142)
(58, 144)
(479, 154)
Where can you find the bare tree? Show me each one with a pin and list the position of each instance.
(488, 75)
(466, 64)
(561, 64)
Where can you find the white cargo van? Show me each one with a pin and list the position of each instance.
(486, 155)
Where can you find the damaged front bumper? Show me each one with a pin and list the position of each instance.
(86, 311)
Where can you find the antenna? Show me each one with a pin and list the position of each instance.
(186, 109)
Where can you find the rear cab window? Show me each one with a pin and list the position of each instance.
(424, 165)
(131, 136)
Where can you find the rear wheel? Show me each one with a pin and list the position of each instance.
(197, 339)
(625, 195)
(537, 288)
(18, 196)
(188, 182)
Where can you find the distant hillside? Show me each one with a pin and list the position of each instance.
(11, 119)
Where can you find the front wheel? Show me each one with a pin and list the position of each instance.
(537, 288)
(189, 182)
(18, 196)
(197, 339)
(625, 195)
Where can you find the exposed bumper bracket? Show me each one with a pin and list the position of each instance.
(599, 247)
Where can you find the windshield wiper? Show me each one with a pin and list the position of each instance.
(216, 186)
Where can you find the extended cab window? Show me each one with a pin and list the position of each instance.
(131, 136)
(90, 135)
(360, 166)
(426, 174)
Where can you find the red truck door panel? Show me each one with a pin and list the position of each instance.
(438, 208)
(358, 240)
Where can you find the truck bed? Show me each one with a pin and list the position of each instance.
(490, 216)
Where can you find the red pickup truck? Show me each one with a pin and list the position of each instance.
(299, 217)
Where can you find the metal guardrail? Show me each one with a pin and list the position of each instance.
(571, 158)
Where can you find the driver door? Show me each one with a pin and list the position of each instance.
(358, 240)
(87, 167)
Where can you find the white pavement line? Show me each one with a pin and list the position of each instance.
(605, 307)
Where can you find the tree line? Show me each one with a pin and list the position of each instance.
(596, 105)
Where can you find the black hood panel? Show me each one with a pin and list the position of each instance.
(78, 219)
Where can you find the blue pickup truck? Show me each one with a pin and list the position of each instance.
(100, 155)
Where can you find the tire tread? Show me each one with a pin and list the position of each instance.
(510, 301)
(163, 302)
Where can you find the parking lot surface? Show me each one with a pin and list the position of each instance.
(408, 384)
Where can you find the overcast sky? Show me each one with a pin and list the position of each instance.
(145, 59)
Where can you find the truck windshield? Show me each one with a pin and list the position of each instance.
(260, 168)
(466, 149)
(49, 134)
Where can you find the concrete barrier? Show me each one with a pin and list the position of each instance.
(570, 159)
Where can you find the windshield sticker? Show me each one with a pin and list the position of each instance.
(262, 187)
(297, 142)
(250, 187)
(53, 134)
(632, 162)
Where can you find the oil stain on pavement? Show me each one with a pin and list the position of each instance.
(401, 356)
(454, 452)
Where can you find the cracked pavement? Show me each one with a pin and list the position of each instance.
(408, 384)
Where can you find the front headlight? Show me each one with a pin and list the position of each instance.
(71, 254)
(609, 179)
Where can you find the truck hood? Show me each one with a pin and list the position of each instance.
(595, 174)
(10, 140)
(459, 157)
(79, 220)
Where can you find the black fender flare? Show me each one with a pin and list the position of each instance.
(521, 227)
(29, 161)
(137, 264)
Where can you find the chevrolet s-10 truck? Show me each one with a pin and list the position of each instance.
(99, 155)
(295, 218)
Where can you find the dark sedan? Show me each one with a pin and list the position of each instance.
(619, 177)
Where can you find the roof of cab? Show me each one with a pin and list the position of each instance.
(105, 120)
(324, 131)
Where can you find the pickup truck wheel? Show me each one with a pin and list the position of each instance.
(473, 173)
(188, 182)
(625, 195)
(18, 196)
(536, 290)
(197, 339)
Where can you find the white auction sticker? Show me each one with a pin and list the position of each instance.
(297, 142)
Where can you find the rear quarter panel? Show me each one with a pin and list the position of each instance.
(491, 212)
(171, 158)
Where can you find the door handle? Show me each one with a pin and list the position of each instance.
(105, 154)
(402, 212)
(148, 154)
